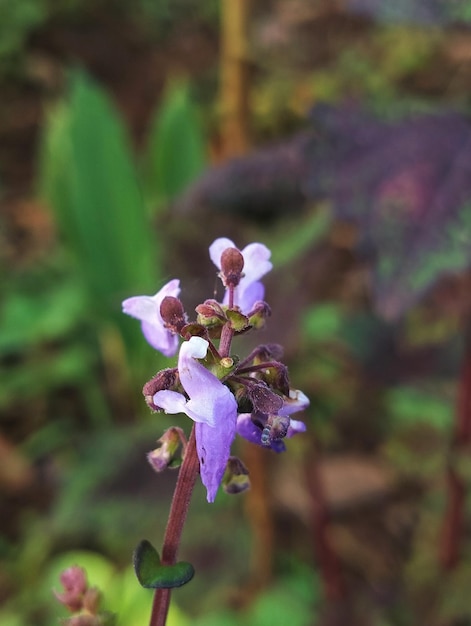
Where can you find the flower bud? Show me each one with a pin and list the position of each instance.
(173, 314)
(165, 379)
(74, 582)
(236, 477)
(210, 309)
(268, 352)
(232, 264)
(167, 454)
(259, 314)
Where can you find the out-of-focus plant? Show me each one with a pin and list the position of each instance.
(176, 150)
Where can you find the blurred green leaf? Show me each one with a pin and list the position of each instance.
(323, 322)
(87, 175)
(410, 405)
(292, 238)
(29, 318)
(176, 151)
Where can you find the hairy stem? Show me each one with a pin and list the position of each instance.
(176, 521)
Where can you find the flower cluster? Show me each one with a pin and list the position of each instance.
(220, 392)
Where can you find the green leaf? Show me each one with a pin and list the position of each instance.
(87, 175)
(152, 574)
(176, 152)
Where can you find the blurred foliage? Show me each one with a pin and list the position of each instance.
(176, 151)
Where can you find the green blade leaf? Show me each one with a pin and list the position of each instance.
(152, 574)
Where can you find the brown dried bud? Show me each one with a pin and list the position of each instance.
(269, 352)
(210, 308)
(165, 379)
(232, 264)
(166, 455)
(173, 313)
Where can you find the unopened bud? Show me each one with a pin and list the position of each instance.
(269, 352)
(74, 582)
(168, 452)
(165, 379)
(259, 314)
(236, 477)
(209, 309)
(232, 264)
(211, 315)
(173, 314)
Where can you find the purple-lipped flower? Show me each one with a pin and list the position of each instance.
(147, 309)
(221, 393)
(210, 404)
(256, 264)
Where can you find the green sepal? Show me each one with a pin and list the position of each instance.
(152, 574)
(238, 321)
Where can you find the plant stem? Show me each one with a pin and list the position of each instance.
(176, 521)
(329, 565)
(454, 518)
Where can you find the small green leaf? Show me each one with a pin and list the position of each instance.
(152, 574)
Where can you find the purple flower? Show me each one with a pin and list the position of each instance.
(211, 405)
(256, 264)
(251, 431)
(147, 309)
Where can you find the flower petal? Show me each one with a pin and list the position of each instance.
(160, 338)
(170, 401)
(247, 429)
(295, 427)
(256, 262)
(245, 298)
(213, 445)
(210, 400)
(297, 401)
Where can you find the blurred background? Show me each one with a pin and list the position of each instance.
(132, 134)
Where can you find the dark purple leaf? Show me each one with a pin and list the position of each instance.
(405, 183)
(261, 185)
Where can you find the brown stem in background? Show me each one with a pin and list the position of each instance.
(260, 515)
(176, 521)
(329, 565)
(234, 77)
(450, 548)
(235, 139)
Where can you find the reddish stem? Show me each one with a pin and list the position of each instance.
(333, 581)
(454, 518)
(176, 521)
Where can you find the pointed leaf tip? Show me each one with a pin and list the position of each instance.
(152, 574)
